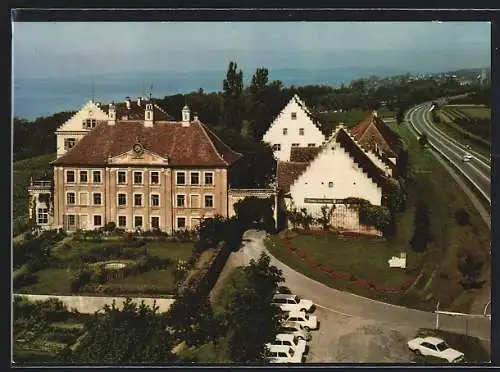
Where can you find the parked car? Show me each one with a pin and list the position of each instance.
(307, 321)
(295, 329)
(283, 354)
(290, 302)
(285, 339)
(467, 157)
(436, 347)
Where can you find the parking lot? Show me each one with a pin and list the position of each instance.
(346, 339)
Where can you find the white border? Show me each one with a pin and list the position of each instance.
(118, 205)
(126, 177)
(93, 221)
(213, 178)
(66, 198)
(151, 223)
(79, 176)
(142, 199)
(213, 200)
(151, 199)
(133, 222)
(186, 227)
(66, 176)
(185, 200)
(102, 201)
(100, 176)
(185, 178)
(118, 221)
(159, 178)
(142, 177)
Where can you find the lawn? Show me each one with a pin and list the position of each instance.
(349, 255)
(50, 281)
(154, 280)
(174, 251)
(479, 112)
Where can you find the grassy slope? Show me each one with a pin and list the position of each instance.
(21, 172)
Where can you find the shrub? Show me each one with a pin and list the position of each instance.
(80, 279)
(462, 217)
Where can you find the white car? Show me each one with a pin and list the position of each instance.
(295, 329)
(290, 302)
(283, 354)
(436, 347)
(283, 339)
(467, 157)
(305, 320)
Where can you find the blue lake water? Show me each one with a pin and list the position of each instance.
(34, 97)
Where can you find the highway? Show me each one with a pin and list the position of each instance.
(477, 170)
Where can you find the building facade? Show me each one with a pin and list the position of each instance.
(293, 127)
(142, 174)
(330, 175)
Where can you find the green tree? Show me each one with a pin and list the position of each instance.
(470, 266)
(264, 276)
(233, 110)
(325, 220)
(192, 319)
(134, 334)
(421, 233)
(422, 140)
(400, 114)
(252, 210)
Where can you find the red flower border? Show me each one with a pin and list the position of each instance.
(311, 262)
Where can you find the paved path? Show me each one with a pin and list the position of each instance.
(348, 304)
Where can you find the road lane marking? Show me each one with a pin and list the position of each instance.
(339, 312)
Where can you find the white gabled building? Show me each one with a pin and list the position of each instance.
(293, 127)
(338, 170)
(77, 127)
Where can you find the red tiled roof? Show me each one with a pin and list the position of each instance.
(392, 139)
(303, 154)
(194, 145)
(288, 172)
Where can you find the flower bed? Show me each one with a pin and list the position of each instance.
(344, 276)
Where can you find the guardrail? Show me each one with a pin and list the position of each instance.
(471, 182)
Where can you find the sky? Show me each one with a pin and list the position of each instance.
(59, 49)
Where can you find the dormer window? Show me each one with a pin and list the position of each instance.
(277, 147)
(294, 116)
(69, 143)
(285, 131)
(89, 123)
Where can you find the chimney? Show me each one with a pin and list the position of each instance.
(148, 115)
(374, 113)
(112, 114)
(128, 102)
(186, 117)
(195, 116)
(139, 99)
(98, 104)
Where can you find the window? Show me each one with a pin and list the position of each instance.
(70, 198)
(209, 201)
(83, 177)
(155, 222)
(209, 178)
(89, 123)
(70, 176)
(330, 184)
(43, 215)
(277, 147)
(137, 200)
(181, 200)
(301, 131)
(71, 220)
(295, 145)
(96, 176)
(180, 178)
(155, 200)
(137, 178)
(285, 131)
(97, 220)
(281, 354)
(195, 222)
(122, 199)
(84, 198)
(122, 221)
(294, 116)
(154, 178)
(311, 145)
(137, 221)
(181, 222)
(69, 143)
(195, 178)
(195, 201)
(122, 177)
(97, 198)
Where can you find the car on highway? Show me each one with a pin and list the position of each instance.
(291, 302)
(436, 347)
(295, 329)
(305, 320)
(283, 354)
(467, 157)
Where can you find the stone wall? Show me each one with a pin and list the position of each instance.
(91, 304)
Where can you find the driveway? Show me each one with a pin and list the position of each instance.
(348, 304)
